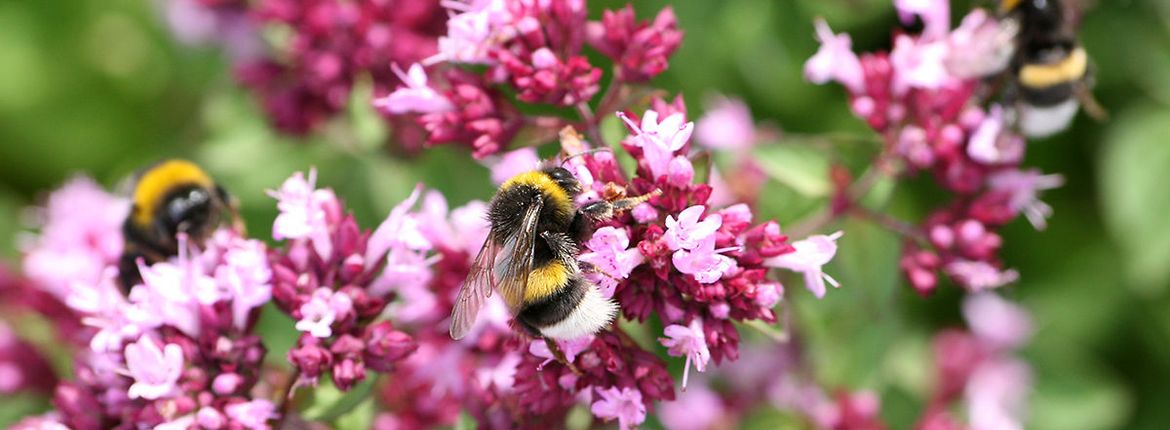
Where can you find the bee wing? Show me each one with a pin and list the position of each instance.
(515, 261)
(502, 264)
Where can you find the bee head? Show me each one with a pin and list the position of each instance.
(190, 210)
(564, 179)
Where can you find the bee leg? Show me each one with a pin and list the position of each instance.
(592, 268)
(1089, 102)
(560, 356)
(233, 206)
(603, 210)
(562, 247)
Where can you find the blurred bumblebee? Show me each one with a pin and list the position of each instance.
(1050, 69)
(169, 198)
(530, 256)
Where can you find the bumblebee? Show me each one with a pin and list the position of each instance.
(169, 198)
(1050, 68)
(530, 257)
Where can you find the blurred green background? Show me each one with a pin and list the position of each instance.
(101, 86)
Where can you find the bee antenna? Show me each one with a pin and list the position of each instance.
(591, 151)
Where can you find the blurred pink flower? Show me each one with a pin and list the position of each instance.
(687, 232)
(979, 275)
(472, 32)
(81, 233)
(982, 45)
(624, 405)
(660, 140)
(919, 64)
(726, 125)
(513, 163)
(997, 393)
(1000, 323)
(811, 254)
(1023, 188)
(415, 97)
(687, 341)
(252, 415)
(155, 371)
(699, 408)
(502, 376)
(209, 418)
(640, 50)
(993, 143)
(610, 252)
(571, 348)
(935, 15)
(835, 60)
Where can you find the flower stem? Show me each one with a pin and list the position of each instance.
(286, 397)
(590, 124)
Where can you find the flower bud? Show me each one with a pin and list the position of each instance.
(386, 346)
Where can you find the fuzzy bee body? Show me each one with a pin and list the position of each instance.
(1051, 70)
(169, 198)
(530, 257)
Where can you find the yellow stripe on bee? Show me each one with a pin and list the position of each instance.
(1070, 69)
(157, 181)
(545, 280)
(541, 181)
(1008, 5)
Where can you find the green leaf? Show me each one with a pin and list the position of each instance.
(330, 403)
(1133, 192)
(800, 168)
(466, 422)
(360, 418)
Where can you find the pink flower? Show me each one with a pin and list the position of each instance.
(835, 61)
(155, 371)
(980, 46)
(660, 140)
(640, 49)
(1023, 187)
(253, 415)
(102, 306)
(319, 313)
(502, 376)
(689, 342)
(416, 97)
(400, 230)
(687, 231)
(810, 255)
(245, 277)
(979, 275)
(727, 124)
(996, 394)
(935, 14)
(697, 409)
(571, 348)
(997, 321)
(304, 212)
(624, 405)
(209, 418)
(610, 253)
(704, 262)
(471, 34)
(81, 233)
(991, 143)
(513, 163)
(919, 64)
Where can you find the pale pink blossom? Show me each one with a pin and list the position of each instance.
(624, 404)
(244, 277)
(659, 140)
(415, 97)
(728, 124)
(919, 64)
(155, 370)
(252, 415)
(570, 348)
(304, 212)
(502, 376)
(611, 254)
(698, 408)
(479, 26)
(687, 341)
(102, 305)
(178, 423)
(996, 321)
(400, 229)
(992, 143)
(808, 258)
(209, 418)
(322, 310)
(979, 275)
(835, 60)
(513, 163)
(704, 262)
(935, 15)
(997, 393)
(687, 231)
(1024, 187)
(981, 46)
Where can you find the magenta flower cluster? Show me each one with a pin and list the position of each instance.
(926, 99)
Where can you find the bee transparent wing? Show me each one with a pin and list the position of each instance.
(475, 290)
(515, 263)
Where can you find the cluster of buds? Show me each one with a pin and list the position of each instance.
(335, 280)
(332, 44)
(179, 349)
(926, 99)
(534, 50)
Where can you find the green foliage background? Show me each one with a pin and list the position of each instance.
(100, 86)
